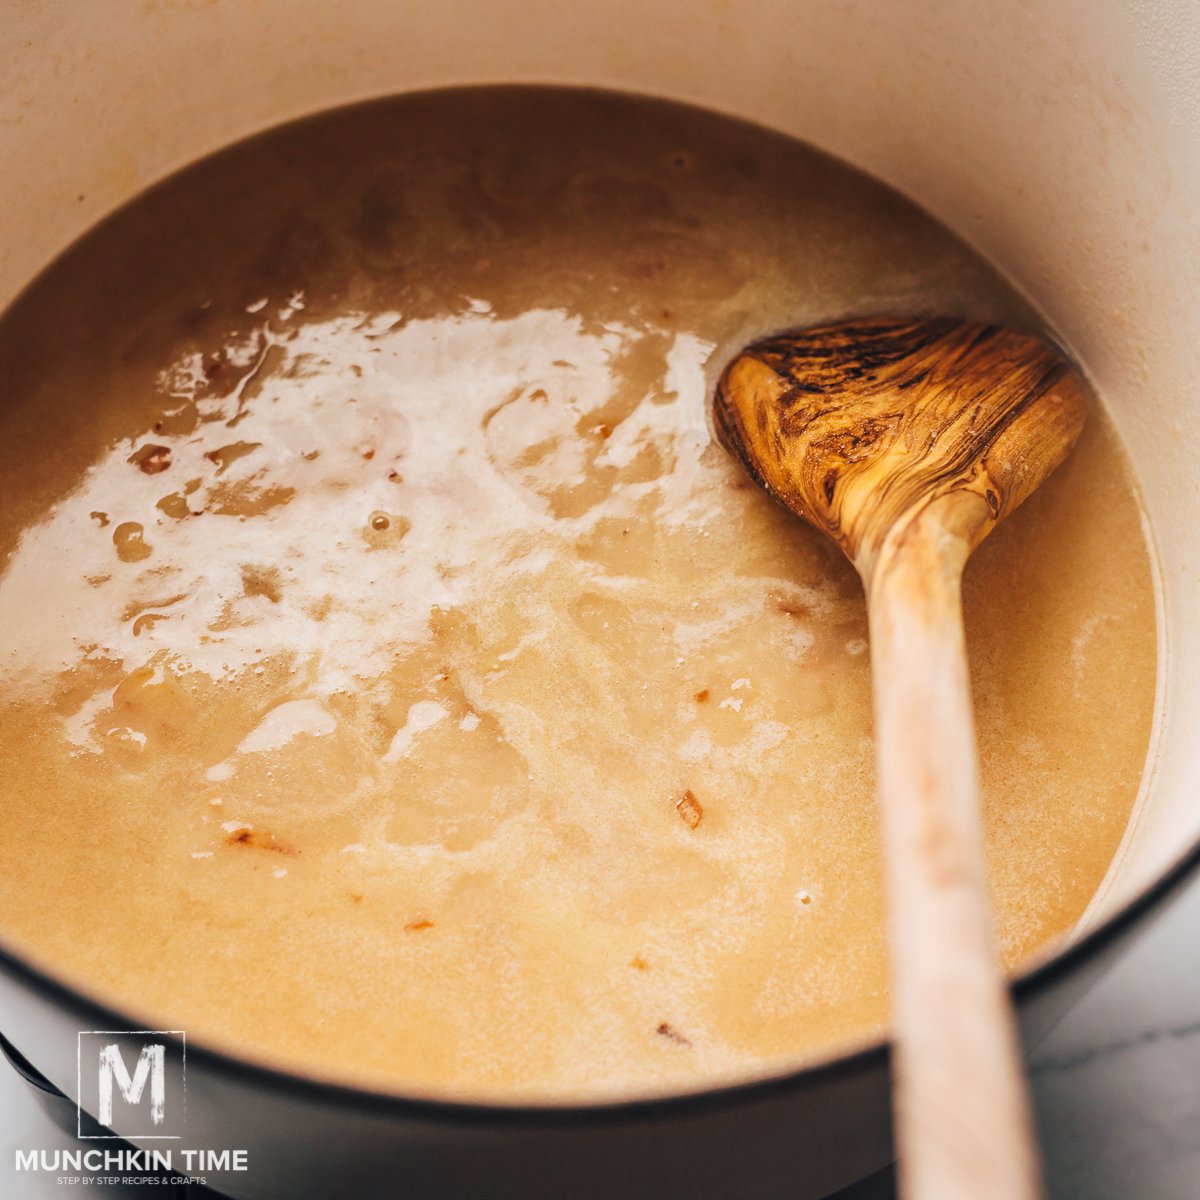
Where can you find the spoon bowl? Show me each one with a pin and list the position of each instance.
(859, 426)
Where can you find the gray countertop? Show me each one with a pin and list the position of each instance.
(1117, 1083)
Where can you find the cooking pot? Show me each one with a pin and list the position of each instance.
(1061, 138)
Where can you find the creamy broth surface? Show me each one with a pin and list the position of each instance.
(398, 683)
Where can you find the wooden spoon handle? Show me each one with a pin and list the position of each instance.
(963, 1124)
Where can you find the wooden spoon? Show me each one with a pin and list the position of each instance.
(907, 440)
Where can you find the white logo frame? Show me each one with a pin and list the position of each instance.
(179, 1034)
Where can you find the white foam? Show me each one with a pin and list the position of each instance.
(421, 716)
(285, 722)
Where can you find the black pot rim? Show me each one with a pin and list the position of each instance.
(869, 1058)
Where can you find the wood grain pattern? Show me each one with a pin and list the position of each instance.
(906, 440)
(858, 425)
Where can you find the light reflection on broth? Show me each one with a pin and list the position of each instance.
(400, 686)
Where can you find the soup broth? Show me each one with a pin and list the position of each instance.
(399, 684)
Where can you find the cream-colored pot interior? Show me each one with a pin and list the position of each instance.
(1062, 138)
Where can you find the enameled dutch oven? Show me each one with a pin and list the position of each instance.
(1061, 138)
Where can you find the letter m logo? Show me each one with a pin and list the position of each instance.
(151, 1064)
(131, 1083)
